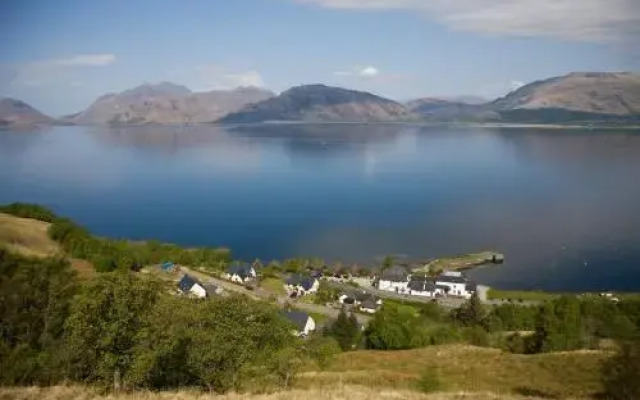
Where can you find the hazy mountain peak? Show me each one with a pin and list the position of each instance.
(15, 112)
(318, 102)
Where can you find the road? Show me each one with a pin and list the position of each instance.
(446, 302)
(264, 295)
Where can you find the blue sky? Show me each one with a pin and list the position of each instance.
(59, 56)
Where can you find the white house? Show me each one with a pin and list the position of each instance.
(298, 285)
(394, 279)
(303, 323)
(455, 284)
(421, 285)
(240, 273)
(189, 285)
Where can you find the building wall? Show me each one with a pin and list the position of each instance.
(421, 293)
(198, 291)
(310, 326)
(456, 289)
(400, 287)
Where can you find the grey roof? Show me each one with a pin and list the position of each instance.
(369, 304)
(186, 283)
(419, 278)
(396, 273)
(298, 318)
(243, 271)
(306, 282)
(471, 287)
(422, 286)
(211, 289)
(451, 279)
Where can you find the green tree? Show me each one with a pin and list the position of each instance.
(345, 329)
(471, 313)
(558, 326)
(104, 322)
(35, 298)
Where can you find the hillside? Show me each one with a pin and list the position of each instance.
(449, 110)
(15, 114)
(166, 103)
(588, 95)
(320, 103)
(29, 237)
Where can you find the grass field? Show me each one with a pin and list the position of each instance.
(516, 295)
(459, 262)
(29, 237)
(26, 236)
(333, 392)
(468, 369)
(273, 285)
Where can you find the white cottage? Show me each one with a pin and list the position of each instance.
(240, 273)
(455, 284)
(394, 279)
(303, 323)
(189, 285)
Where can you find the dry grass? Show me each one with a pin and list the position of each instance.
(29, 237)
(333, 392)
(470, 369)
(26, 236)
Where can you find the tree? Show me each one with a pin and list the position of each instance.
(621, 373)
(104, 321)
(558, 326)
(35, 297)
(345, 330)
(471, 313)
(387, 262)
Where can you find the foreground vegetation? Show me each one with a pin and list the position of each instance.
(128, 331)
(330, 392)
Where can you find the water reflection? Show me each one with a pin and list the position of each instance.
(551, 200)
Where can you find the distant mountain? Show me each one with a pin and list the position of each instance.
(320, 103)
(15, 113)
(577, 96)
(446, 110)
(166, 103)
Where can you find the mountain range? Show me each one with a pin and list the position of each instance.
(585, 96)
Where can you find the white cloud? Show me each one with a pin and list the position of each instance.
(51, 71)
(583, 20)
(82, 60)
(516, 84)
(213, 76)
(362, 72)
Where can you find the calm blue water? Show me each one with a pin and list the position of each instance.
(550, 200)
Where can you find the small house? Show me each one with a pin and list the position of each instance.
(421, 285)
(455, 284)
(240, 273)
(189, 285)
(299, 285)
(369, 306)
(394, 279)
(303, 323)
(168, 266)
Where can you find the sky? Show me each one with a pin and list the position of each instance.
(60, 56)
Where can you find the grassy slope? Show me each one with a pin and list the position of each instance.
(26, 236)
(29, 237)
(467, 368)
(333, 392)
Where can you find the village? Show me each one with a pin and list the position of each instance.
(322, 293)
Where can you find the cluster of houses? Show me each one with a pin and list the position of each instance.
(361, 300)
(452, 283)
